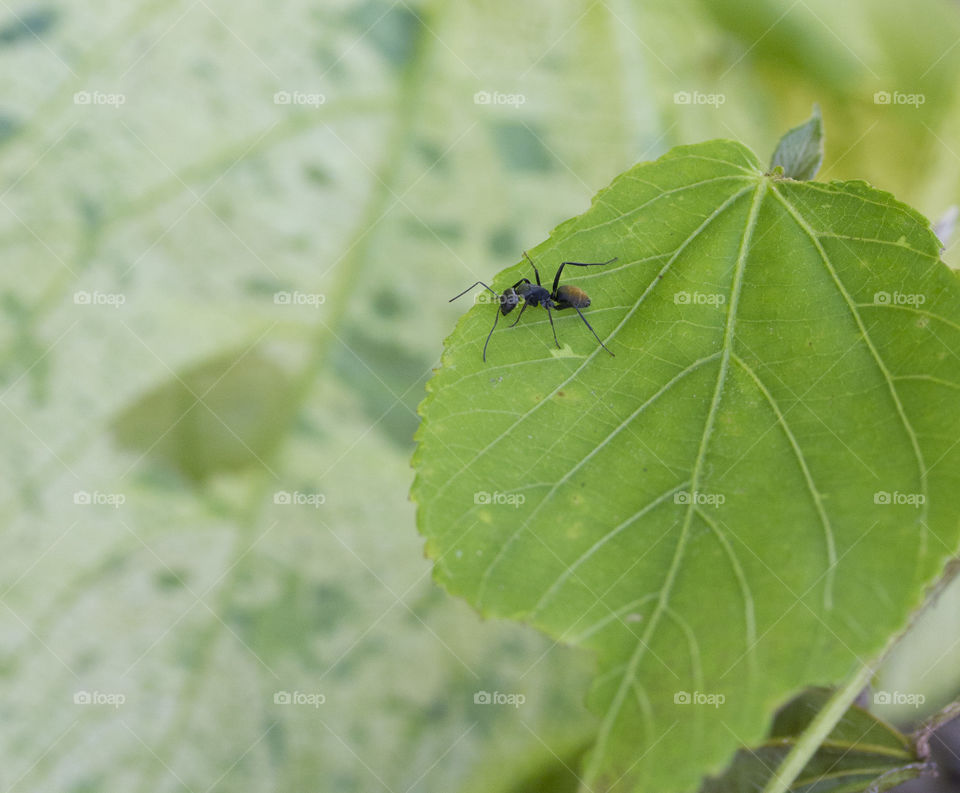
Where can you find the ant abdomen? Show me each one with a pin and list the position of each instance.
(571, 297)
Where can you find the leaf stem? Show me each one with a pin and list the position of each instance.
(817, 732)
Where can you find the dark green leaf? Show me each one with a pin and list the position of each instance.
(861, 753)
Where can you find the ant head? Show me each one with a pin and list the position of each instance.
(508, 301)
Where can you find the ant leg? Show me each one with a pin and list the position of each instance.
(478, 283)
(556, 278)
(496, 318)
(553, 328)
(522, 309)
(591, 328)
(536, 272)
(521, 281)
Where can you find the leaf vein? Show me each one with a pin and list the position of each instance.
(808, 479)
(606, 727)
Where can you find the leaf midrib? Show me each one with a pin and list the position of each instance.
(598, 753)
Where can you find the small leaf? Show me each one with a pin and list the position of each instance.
(800, 151)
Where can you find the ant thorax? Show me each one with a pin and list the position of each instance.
(535, 295)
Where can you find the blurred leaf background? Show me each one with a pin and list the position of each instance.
(229, 235)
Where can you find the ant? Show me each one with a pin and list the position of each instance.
(561, 297)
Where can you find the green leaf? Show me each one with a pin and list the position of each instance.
(861, 753)
(751, 496)
(800, 152)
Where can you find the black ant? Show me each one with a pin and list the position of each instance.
(561, 297)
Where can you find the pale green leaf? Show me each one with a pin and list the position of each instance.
(199, 598)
